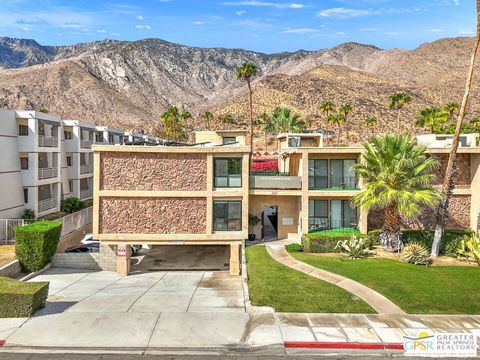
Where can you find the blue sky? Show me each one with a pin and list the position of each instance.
(261, 25)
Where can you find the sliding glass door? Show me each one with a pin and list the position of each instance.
(331, 214)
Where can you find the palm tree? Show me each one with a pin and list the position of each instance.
(449, 179)
(246, 72)
(397, 101)
(432, 117)
(282, 121)
(370, 122)
(185, 115)
(266, 124)
(475, 125)
(337, 120)
(207, 116)
(345, 110)
(398, 178)
(327, 107)
(170, 119)
(452, 109)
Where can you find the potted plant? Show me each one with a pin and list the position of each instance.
(252, 221)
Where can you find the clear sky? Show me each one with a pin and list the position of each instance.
(261, 25)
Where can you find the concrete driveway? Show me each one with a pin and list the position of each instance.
(148, 310)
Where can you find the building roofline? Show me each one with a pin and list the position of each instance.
(171, 149)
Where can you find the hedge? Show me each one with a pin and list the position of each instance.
(450, 243)
(21, 299)
(374, 237)
(325, 242)
(35, 244)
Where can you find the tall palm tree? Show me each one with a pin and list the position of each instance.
(398, 178)
(432, 117)
(452, 108)
(370, 122)
(170, 119)
(265, 122)
(397, 101)
(337, 120)
(345, 110)
(282, 121)
(207, 116)
(185, 115)
(246, 72)
(327, 107)
(449, 179)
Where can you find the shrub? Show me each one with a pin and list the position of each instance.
(294, 248)
(36, 243)
(265, 166)
(21, 299)
(470, 249)
(354, 247)
(417, 254)
(71, 204)
(374, 237)
(28, 214)
(450, 244)
(87, 203)
(325, 242)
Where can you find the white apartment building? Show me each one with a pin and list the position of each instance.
(44, 159)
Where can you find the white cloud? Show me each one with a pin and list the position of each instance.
(139, 17)
(344, 13)
(240, 13)
(263, 4)
(148, 27)
(139, 26)
(71, 25)
(299, 31)
(101, 31)
(391, 33)
(114, 34)
(198, 23)
(31, 21)
(340, 33)
(26, 28)
(466, 31)
(257, 22)
(436, 30)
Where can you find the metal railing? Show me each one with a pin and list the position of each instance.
(47, 173)
(269, 173)
(7, 229)
(85, 144)
(86, 169)
(47, 204)
(332, 183)
(47, 141)
(322, 223)
(86, 194)
(77, 220)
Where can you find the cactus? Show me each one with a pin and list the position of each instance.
(470, 249)
(354, 248)
(415, 253)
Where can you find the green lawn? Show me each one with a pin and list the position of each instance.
(416, 289)
(287, 290)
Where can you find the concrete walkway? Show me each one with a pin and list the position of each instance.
(377, 301)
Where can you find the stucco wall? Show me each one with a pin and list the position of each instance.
(288, 207)
(153, 171)
(459, 216)
(153, 216)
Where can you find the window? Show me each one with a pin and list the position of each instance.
(68, 135)
(227, 215)
(331, 174)
(70, 186)
(25, 195)
(22, 130)
(228, 172)
(229, 140)
(318, 174)
(331, 214)
(69, 160)
(318, 214)
(111, 139)
(98, 137)
(24, 163)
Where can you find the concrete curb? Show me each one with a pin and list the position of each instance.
(342, 345)
(32, 275)
(11, 269)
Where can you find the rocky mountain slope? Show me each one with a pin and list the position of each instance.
(129, 84)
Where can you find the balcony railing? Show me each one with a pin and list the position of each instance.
(47, 173)
(47, 141)
(281, 181)
(47, 204)
(332, 183)
(86, 194)
(321, 223)
(86, 169)
(85, 144)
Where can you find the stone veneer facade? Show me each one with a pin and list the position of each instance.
(463, 177)
(153, 171)
(132, 215)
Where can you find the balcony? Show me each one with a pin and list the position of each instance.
(47, 173)
(272, 181)
(85, 144)
(47, 204)
(332, 183)
(86, 194)
(323, 223)
(47, 141)
(86, 169)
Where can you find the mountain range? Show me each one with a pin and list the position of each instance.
(129, 84)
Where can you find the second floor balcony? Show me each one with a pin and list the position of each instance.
(47, 204)
(86, 144)
(86, 194)
(274, 180)
(333, 183)
(86, 169)
(47, 173)
(47, 141)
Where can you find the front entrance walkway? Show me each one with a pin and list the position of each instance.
(377, 301)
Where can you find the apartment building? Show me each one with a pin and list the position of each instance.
(203, 194)
(45, 159)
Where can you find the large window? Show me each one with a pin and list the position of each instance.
(227, 215)
(331, 214)
(22, 130)
(228, 172)
(331, 174)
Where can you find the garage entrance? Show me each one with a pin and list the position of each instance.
(182, 258)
